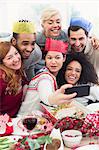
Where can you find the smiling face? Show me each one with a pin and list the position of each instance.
(25, 43)
(12, 59)
(78, 40)
(54, 61)
(52, 26)
(73, 72)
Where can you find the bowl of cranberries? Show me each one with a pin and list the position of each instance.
(72, 138)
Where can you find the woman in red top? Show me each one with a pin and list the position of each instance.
(11, 83)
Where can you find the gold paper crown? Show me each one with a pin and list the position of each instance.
(24, 26)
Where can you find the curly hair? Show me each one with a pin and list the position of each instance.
(88, 74)
(8, 75)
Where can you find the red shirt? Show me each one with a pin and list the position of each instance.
(9, 104)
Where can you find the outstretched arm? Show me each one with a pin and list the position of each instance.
(58, 97)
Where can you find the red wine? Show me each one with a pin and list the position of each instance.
(30, 123)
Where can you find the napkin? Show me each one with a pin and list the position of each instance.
(6, 126)
(91, 124)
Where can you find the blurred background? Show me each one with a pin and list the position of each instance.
(13, 10)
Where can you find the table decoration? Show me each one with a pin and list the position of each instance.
(29, 143)
(91, 125)
(6, 125)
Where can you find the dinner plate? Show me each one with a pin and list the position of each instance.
(94, 107)
(89, 147)
(43, 125)
(65, 112)
(73, 109)
(19, 129)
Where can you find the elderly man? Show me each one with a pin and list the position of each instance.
(79, 40)
(24, 38)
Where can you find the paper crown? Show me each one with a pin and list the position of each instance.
(56, 45)
(24, 26)
(81, 22)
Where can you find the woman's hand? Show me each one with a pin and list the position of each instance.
(59, 96)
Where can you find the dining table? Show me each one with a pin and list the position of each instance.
(86, 140)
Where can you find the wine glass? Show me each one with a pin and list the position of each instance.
(29, 123)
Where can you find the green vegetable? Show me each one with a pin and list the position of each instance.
(5, 143)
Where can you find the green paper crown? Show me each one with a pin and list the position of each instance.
(24, 27)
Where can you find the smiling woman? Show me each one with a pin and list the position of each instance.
(55, 51)
(77, 70)
(12, 59)
(11, 86)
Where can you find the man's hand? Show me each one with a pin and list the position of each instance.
(95, 42)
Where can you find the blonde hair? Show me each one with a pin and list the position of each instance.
(8, 75)
(48, 13)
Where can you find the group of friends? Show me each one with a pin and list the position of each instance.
(37, 67)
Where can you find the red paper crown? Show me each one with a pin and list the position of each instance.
(56, 45)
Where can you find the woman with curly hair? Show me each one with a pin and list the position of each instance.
(78, 70)
(11, 79)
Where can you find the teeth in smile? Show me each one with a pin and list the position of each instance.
(54, 30)
(72, 78)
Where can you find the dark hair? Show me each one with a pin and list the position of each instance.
(15, 35)
(76, 28)
(88, 74)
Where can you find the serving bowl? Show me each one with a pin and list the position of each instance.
(72, 138)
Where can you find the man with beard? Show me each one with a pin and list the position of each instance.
(79, 40)
(24, 38)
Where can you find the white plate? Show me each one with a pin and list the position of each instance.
(93, 107)
(89, 147)
(65, 112)
(21, 131)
